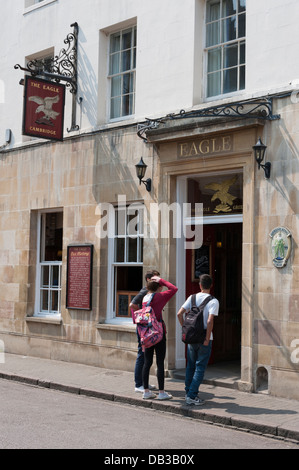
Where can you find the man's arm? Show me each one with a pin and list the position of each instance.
(137, 300)
(180, 315)
(210, 325)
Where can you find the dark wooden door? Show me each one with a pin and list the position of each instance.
(221, 256)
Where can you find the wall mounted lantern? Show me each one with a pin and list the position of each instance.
(259, 154)
(140, 171)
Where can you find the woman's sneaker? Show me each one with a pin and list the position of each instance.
(196, 401)
(164, 396)
(148, 395)
(141, 388)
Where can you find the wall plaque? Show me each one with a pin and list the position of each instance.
(79, 277)
(280, 246)
(43, 114)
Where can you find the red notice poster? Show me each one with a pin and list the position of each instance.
(79, 277)
(43, 114)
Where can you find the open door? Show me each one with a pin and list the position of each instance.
(221, 257)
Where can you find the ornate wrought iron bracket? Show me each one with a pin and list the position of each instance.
(62, 67)
(261, 109)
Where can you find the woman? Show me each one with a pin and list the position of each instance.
(160, 299)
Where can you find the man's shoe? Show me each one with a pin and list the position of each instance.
(196, 401)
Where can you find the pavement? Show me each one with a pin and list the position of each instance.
(224, 406)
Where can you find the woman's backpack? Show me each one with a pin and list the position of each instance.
(149, 328)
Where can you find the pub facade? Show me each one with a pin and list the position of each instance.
(79, 230)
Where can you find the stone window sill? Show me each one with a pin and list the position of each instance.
(117, 327)
(51, 320)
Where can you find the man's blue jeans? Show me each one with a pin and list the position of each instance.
(198, 357)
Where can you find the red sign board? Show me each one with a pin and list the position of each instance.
(79, 277)
(43, 109)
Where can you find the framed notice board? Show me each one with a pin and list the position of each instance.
(79, 277)
(201, 262)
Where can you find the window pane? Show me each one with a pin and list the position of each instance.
(55, 276)
(114, 64)
(242, 78)
(213, 34)
(127, 105)
(135, 37)
(127, 39)
(229, 7)
(213, 11)
(214, 60)
(44, 276)
(229, 29)
(242, 53)
(230, 56)
(123, 305)
(133, 223)
(44, 301)
(120, 250)
(115, 108)
(132, 250)
(52, 237)
(128, 83)
(126, 61)
(214, 84)
(115, 42)
(140, 250)
(120, 222)
(242, 5)
(54, 307)
(116, 86)
(230, 80)
(242, 26)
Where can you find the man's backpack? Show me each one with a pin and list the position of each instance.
(193, 330)
(149, 328)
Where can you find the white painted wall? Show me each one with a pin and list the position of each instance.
(170, 66)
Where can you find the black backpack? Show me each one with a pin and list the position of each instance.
(193, 330)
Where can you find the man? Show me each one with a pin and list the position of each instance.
(135, 305)
(198, 355)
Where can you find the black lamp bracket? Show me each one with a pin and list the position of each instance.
(147, 183)
(267, 169)
(62, 67)
(259, 108)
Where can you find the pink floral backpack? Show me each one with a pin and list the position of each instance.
(149, 328)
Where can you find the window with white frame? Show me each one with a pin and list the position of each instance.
(126, 258)
(122, 72)
(31, 4)
(48, 293)
(225, 46)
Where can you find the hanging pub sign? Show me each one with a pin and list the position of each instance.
(43, 114)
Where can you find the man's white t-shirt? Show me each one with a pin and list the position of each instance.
(212, 308)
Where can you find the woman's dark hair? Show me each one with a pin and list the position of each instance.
(153, 286)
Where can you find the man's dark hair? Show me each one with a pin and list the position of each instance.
(205, 281)
(150, 274)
